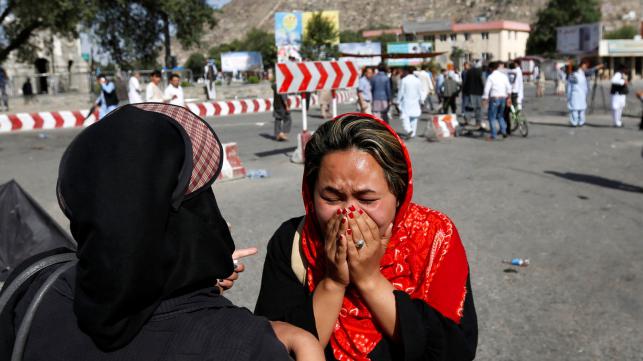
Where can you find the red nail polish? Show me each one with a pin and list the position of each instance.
(344, 211)
(339, 211)
(361, 211)
(351, 215)
(343, 220)
(352, 208)
(349, 231)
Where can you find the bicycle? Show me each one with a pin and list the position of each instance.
(518, 121)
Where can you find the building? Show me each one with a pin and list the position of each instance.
(628, 52)
(58, 67)
(491, 40)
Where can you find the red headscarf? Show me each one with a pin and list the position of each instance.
(424, 258)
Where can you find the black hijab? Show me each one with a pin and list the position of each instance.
(136, 188)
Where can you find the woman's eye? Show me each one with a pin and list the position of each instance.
(330, 200)
(367, 201)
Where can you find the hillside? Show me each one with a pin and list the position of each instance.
(238, 16)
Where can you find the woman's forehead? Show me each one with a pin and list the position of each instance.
(353, 170)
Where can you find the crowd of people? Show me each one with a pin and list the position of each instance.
(109, 100)
(410, 91)
(497, 86)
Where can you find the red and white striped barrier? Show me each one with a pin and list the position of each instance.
(444, 125)
(232, 167)
(46, 120)
(309, 76)
(74, 119)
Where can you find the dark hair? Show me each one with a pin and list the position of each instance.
(174, 75)
(361, 133)
(99, 76)
(381, 67)
(156, 73)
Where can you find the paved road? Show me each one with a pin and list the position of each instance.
(570, 200)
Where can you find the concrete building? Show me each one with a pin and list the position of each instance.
(492, 40)
(58, 67)
(626, 52)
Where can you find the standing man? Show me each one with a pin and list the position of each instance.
(381, 88)
(465, 96)
(577, 89)
(210, 73)
(427, 86)
(281, 113)
(365, 92)
(515, 78)
(153, 92)
(497, 91)
(450, 92)
(619, 92)
(439, 86)
(173, 92)
(134, 88)
(409, 98)
(473, 85)
(4, 78)
(107, 100)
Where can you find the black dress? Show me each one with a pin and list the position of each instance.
(424, 333)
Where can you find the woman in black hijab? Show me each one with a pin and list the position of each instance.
(151, 243)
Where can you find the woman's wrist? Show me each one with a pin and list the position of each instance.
(330, 285)
(375, 283)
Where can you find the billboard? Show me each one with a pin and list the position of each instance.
(578, 39)
(288, 34)
(235, 61)
(374, 49)
(408, 48)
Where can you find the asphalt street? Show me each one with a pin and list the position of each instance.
(569, 199)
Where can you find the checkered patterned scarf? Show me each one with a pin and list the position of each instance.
(424, 258)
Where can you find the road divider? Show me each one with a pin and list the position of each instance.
(79, 118)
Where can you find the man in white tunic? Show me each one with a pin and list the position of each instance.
(409, 98)
(619, 94)
(134, 89)
(173, 92)
(153, 92)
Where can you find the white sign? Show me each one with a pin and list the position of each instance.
(241, 61)
(578, 39)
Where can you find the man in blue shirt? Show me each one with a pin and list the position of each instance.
(108, 100)
(365, 92)
(381, 89)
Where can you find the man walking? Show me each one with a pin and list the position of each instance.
(174, 92)
(514, 73)
(619, 92)
(427, 86)
(450, 92)
(497, 91)
(465, 95)
(153, 92)
(134, 89)
(474, 87)
(409, 98)
(108, 100)
(281, 113)
(365, 92)
(381, 89)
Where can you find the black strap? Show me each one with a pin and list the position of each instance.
(15, 284)
(25, 325)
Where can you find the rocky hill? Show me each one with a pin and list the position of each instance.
(238, 16)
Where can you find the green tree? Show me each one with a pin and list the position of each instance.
(624, 32)
(125, 28)
(20, 20)
(319, 35)
(196, 63)
(542, 39)
(263, 42)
